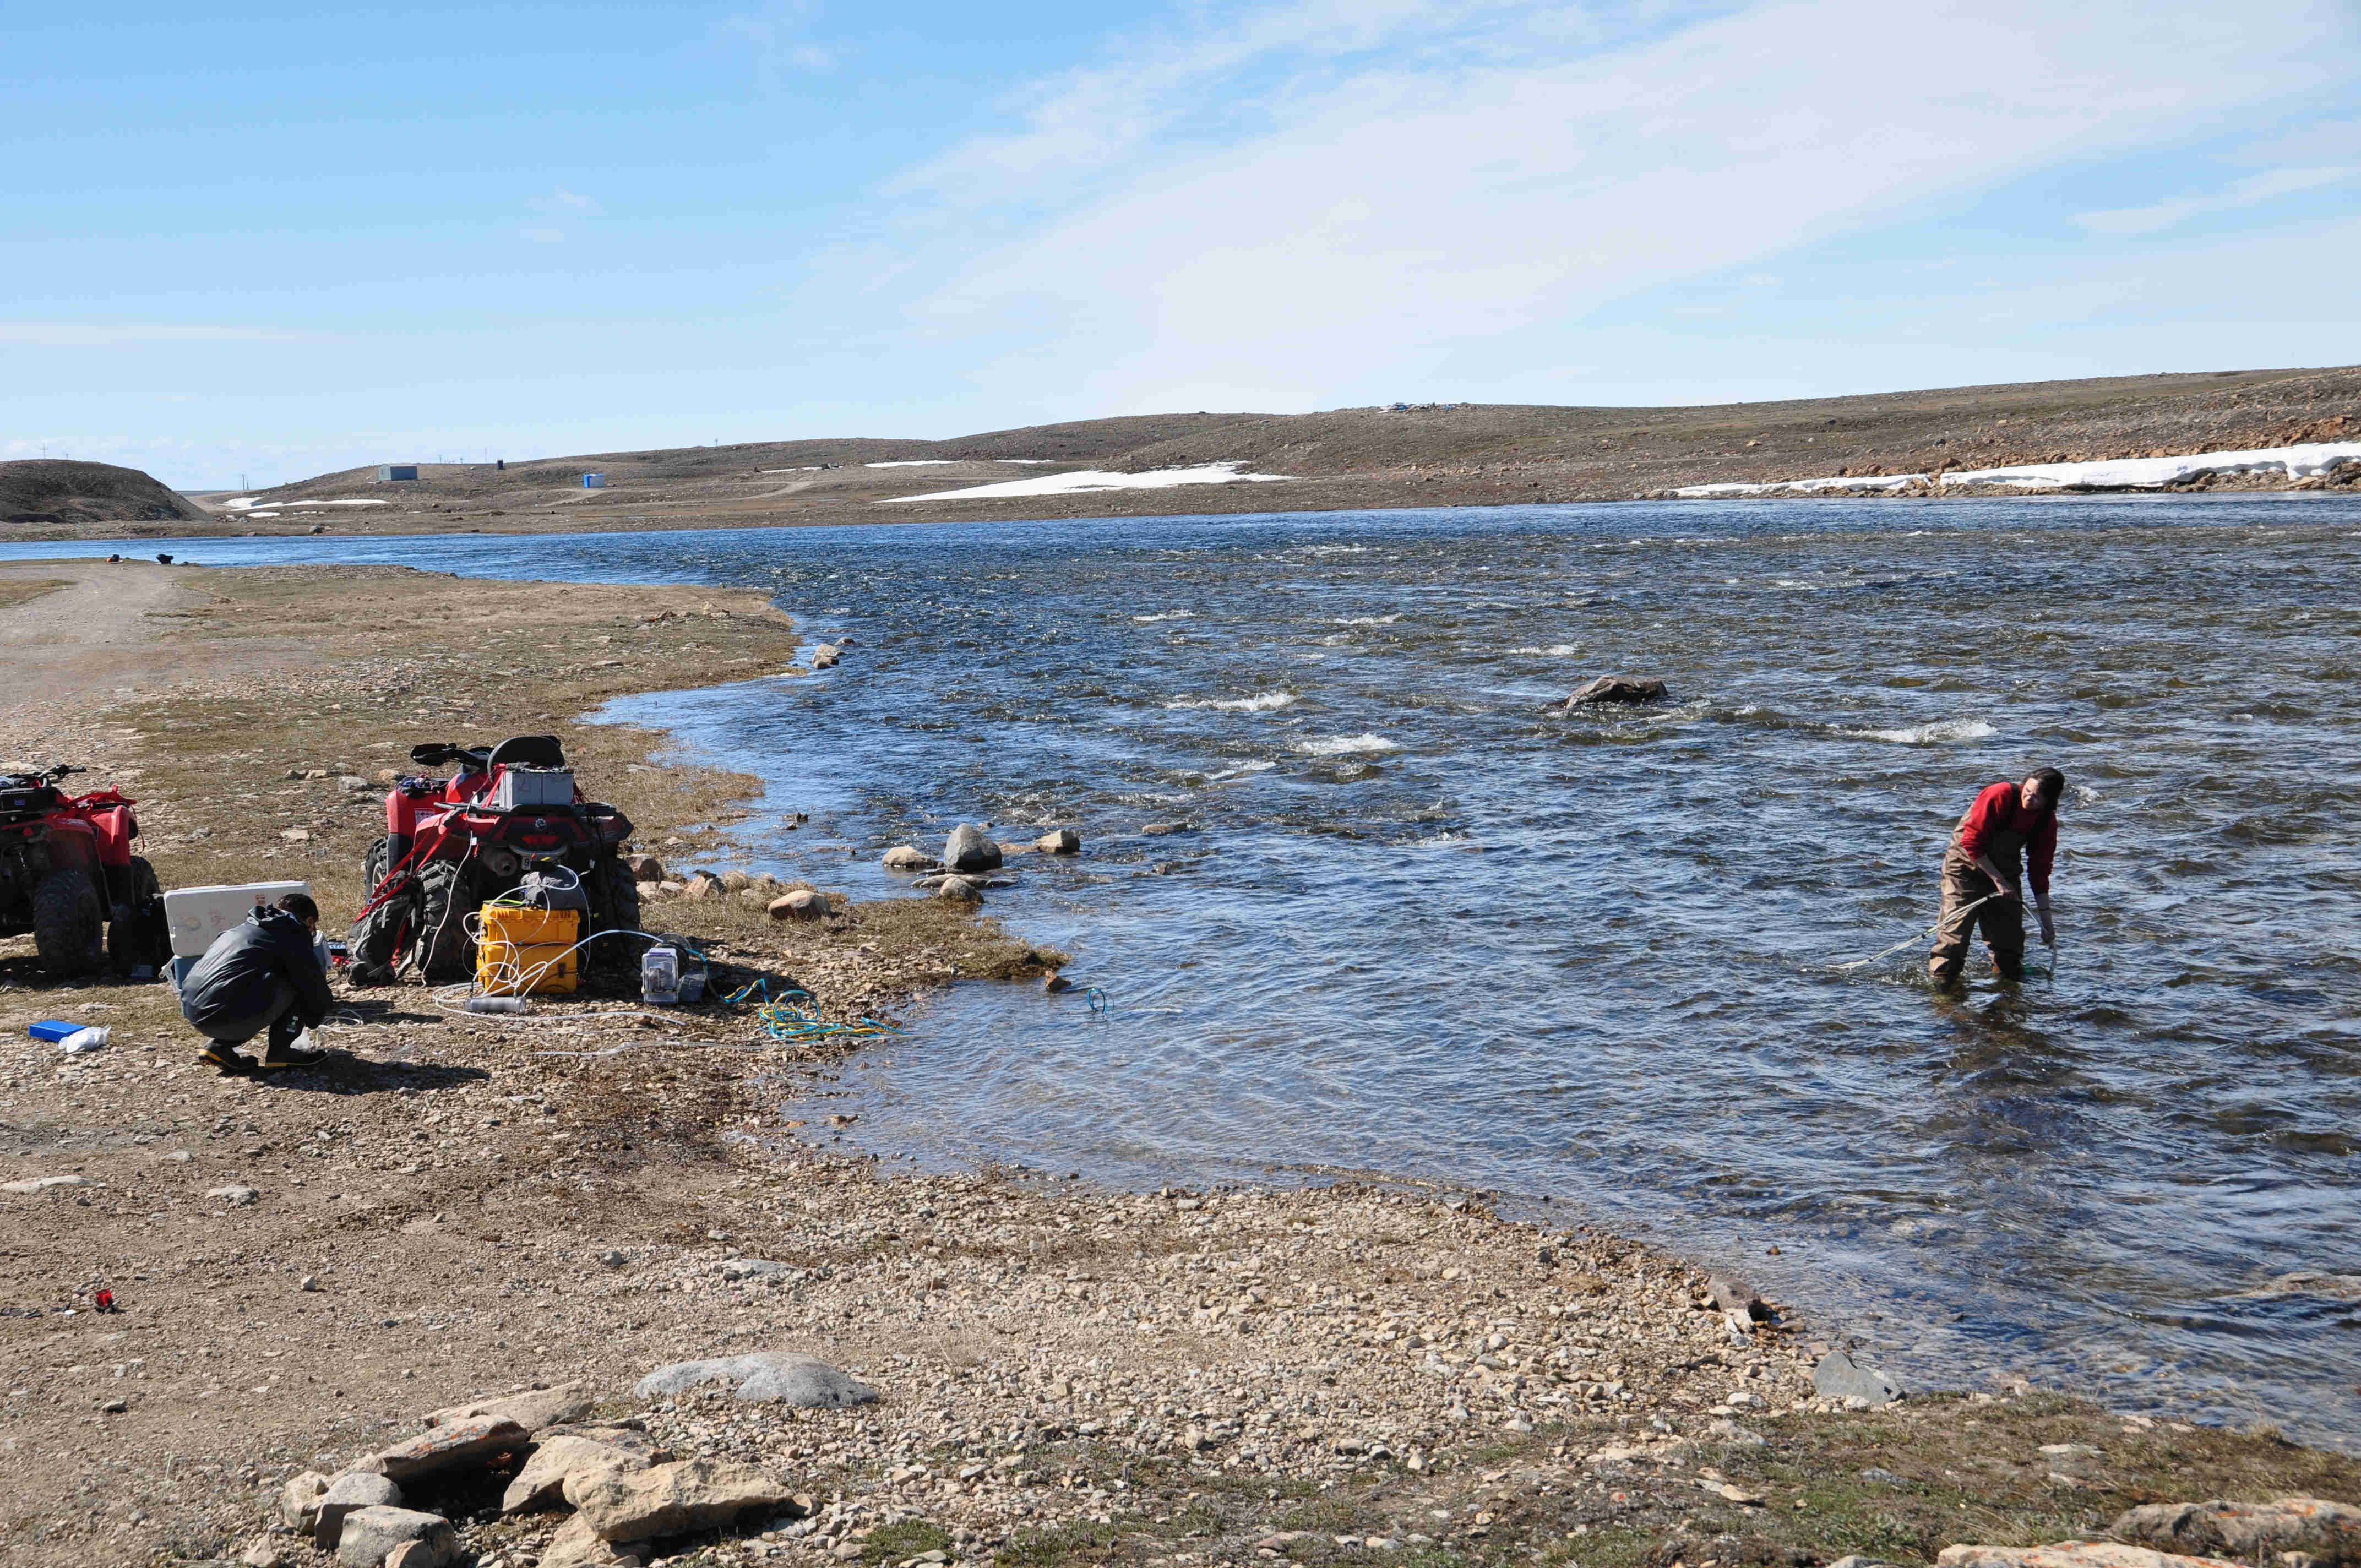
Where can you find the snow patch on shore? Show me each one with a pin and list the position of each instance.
(913, 462)
(1089, 479)
(248, 503)
(2107, 474)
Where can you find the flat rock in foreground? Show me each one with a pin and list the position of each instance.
(531, 1408)
(2070, 1554)
(456, 1444)
(670, 1499)
(2328, 1532)
(771, 1376)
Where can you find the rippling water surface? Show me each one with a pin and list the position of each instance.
(1421, 927)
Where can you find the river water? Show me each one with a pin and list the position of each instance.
(1421, 927)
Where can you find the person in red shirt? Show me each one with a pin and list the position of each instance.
(2009, 824)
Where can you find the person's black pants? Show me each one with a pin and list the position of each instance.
(279, 1018)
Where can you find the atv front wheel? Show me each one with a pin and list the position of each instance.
(68, 924)
(137, 934)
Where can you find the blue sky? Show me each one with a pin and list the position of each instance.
(276, 240)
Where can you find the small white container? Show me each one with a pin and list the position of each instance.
(659, 977)
(197, 916)
(83, 1040)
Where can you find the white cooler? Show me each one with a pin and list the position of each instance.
(196, 915)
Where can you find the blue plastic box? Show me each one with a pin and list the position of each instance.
(54, 1029)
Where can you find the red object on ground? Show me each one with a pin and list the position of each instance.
(104, 1300)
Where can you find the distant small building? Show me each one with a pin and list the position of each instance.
(594, 481)
(389, 471)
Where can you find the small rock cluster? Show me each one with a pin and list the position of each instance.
(621, 1488)
(970, 855)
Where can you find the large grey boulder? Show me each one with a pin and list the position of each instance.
(970, 848)
(348, 1493)
(2329, 1533)
(370, 1535)
(1840, 1377)
(1617, 689)
(770, 1376)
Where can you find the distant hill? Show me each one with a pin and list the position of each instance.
(1422, 455)
(54, 491)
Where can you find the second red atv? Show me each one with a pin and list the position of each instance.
(68, 875)
(451, 843)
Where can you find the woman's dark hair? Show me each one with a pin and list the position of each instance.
(300, 905)
(2051, 785)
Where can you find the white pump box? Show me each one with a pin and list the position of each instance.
(199, 915)
(522, 789)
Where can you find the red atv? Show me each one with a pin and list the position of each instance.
(509, 811)
(68, 875)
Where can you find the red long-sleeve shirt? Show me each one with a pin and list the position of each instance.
(1999, 808)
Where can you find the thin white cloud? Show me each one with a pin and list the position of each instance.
(561, 203)
(775, 39)
(2246, 194)
(1440, 215)
(542, 235)
(109, 335)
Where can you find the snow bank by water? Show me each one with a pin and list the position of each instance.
(914, 463)
(806, 468)
(1266, 703)
(2108, 473)
(248, 503)
(1089, 479)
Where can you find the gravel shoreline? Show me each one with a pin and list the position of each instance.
(457, 1207)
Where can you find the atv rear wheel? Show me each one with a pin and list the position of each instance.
(618, 894)
(445, 951)
(133, 935)
(68, 924)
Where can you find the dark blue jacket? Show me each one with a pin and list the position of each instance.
(236, 978)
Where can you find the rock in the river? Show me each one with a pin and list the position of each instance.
(2069, 1554)
(531, 1408)
(1059, 841)
(1839, 1377)
(441, 1448)
(1730, 1294)
(801, 905)
(908, 858)
(672, 1499)
(578, 1458)
(775, 1377)
(824, 656)
(1165, 830)
(959, 890)
(2329, 1533)
(970, 848)
(1618, 688)
(370, 1535)
(348, 1493)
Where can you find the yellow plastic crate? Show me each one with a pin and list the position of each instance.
(520, 953)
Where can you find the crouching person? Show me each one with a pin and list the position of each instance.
(263, 976)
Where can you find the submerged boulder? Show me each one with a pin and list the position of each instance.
(1624, 689)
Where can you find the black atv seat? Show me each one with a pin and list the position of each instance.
(527, 752)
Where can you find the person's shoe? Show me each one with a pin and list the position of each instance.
(226, 1058)
(2012, 972)
(275, 1060)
